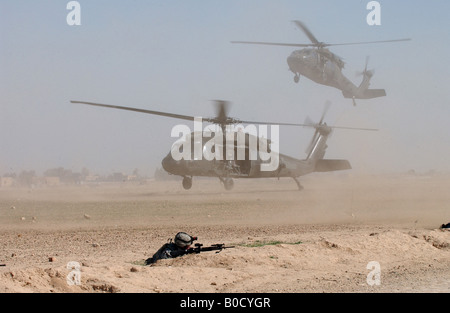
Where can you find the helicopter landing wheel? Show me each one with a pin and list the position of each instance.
(187, 182)
(296, 78)
(228, 183)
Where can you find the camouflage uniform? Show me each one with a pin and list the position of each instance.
(167, 251)
(173, 249)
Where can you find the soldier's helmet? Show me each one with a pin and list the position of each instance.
(183, 240)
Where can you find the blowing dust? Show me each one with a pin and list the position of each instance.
(317, 240)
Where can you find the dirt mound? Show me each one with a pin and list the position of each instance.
(323, 262)
(319, 240)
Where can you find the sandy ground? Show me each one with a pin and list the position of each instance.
(318, 240)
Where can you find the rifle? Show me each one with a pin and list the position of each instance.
(199, 248)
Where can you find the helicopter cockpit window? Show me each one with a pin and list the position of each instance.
(312, 55)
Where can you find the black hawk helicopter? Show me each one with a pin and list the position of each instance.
(244, 167)
(322, 66)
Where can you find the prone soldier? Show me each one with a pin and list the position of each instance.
(180, 246)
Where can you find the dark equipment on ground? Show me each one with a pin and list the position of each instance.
(322, 66)
(228, 169)
(446, 226)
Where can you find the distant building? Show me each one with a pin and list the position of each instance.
(92, 178)
(6, 181)
(132, 177)
(51, 181)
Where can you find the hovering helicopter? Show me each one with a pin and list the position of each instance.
(322, 66)
(227, 170)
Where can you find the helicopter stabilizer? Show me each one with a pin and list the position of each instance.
(328, 165)
(366, 94)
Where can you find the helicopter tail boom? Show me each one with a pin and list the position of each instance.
(363, 91)
(317, 152)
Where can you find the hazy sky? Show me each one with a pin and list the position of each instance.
(176, 56)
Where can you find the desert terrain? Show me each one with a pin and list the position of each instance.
(285, 241)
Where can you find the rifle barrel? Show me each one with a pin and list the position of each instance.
(199, 248)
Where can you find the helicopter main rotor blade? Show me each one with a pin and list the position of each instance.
(307, 33)
(319, 44)
(220, 119)
(212, 120)
(304, 125)
(364, 42)
(353, 128)
(270, 123)
(322, 44)
(221, 110)
(274, 44)
(179, 116)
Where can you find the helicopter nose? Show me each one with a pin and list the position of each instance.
(290, 60)
(293, 60)
(170, 165)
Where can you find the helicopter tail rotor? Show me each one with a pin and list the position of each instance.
(327, 106)
(366, 73)
(322, 128)
(363, 91)
(319, 127)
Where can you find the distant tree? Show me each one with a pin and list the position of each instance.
(117, 177)
(65, 176)
(55, 172)
(84, 172)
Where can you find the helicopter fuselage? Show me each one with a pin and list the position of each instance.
(323, 68)
(288, 167)
(233, 154)
(250, 166)
(252, 161)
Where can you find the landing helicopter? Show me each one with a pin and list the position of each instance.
(247, 166)
(322, 66)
